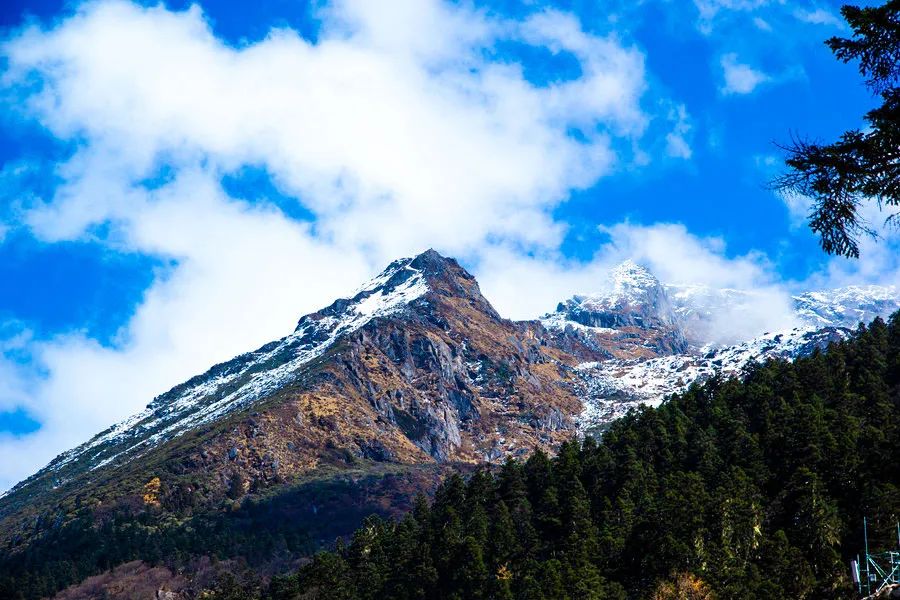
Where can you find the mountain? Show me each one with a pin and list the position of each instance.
(846, 306)
(372, 400)
(415, 370)
(661, 338)
(637, 299)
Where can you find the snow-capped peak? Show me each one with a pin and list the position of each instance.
(630, 275)
(635, 298)
(723, 329)
(399, 284)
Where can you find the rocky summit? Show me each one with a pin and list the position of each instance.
(377, 395)
(633, 319)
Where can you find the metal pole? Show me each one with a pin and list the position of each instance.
(858, 578)
(866, 540)
(898, 549)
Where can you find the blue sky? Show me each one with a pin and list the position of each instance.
(179, 182)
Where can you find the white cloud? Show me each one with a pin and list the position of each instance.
(394, 129)
(672, 253)
(762, 24)
(14, 341)
(409, 133)
(710, 10)
(879, 262)
(818, 16)
(798, 206)
(677, 145)
(738, 77)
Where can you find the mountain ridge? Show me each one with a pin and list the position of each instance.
(636, 326)
(650, 359)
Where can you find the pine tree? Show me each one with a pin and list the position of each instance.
(861, 166)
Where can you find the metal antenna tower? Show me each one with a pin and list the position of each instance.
(878, 570)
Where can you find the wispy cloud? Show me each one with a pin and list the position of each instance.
(739, 78)
(819, 16)
(710, 10)
(762, 24)
(677, 145)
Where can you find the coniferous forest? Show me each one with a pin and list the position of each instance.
(752, 488)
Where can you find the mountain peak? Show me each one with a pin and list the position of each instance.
(415, 366)
(428, 288)
(445, 279)
(420, 273)
(430, 266)
(436, 270)
(634, 298)
(631, 274)
(432, 258)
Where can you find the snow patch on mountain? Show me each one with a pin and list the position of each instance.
(611, 388)
(634, 297)
(559, 320)
(629, 277)
(847, 306)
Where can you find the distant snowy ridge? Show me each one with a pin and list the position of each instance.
(636, 299)
(847, 306)
(693, 307)
(609, 389)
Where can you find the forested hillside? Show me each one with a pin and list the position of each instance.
(736, 489)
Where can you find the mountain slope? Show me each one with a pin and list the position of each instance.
(416, 368)
(609, 389)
